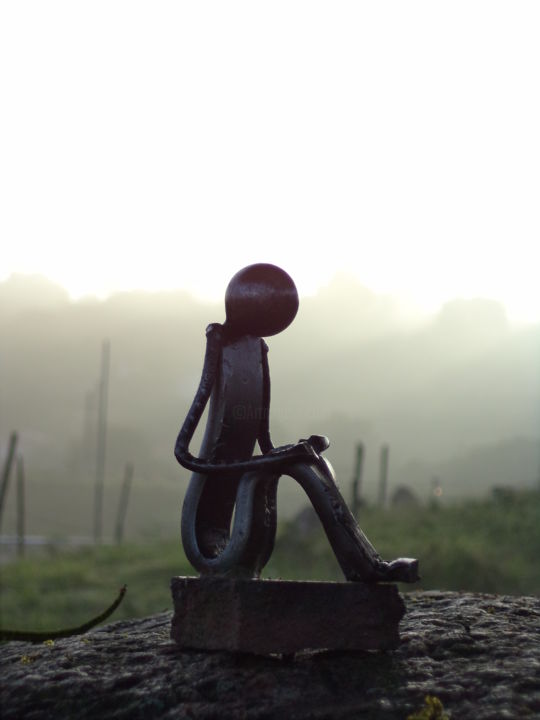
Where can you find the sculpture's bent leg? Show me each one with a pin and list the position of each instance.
(209, 546)
(260, 504)
(356, 555)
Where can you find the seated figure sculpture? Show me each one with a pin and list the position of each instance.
(228, 479)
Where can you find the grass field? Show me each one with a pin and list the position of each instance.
(490, 547)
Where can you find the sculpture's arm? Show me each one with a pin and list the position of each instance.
(214, 336)
(264, 439)
(273, 460)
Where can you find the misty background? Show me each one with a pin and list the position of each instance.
(456, 396)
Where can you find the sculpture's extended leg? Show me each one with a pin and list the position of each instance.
(356, 555)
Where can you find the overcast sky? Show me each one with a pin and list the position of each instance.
(167, 144)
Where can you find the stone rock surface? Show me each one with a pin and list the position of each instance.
(479, 654)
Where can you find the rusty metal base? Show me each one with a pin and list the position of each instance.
(281, 616)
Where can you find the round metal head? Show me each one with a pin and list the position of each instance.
(260, 300)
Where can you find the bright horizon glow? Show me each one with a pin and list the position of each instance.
(160, 146)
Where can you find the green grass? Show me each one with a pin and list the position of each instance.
(483, 546)
(69, 588)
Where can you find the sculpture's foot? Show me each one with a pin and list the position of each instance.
(400, 570)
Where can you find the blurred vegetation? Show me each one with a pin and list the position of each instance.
(69, 587)
(491, 546)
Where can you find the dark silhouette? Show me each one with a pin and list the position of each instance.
(261, 300)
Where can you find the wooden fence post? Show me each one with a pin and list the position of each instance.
(7, 471)
(101, 440)
(21, 507)
(357, 480)
(383, 476)
(123, 503)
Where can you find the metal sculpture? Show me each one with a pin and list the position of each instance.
(261, 300)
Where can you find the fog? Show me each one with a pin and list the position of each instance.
(455, 395)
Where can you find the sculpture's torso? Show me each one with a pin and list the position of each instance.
(236, 404)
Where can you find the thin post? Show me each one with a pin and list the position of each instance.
(13, 438)
(123, 503)
(21, 507)
(383, 476)
(357, 480)
(89, 440)
(101, 440)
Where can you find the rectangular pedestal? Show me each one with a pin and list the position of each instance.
(281, 616)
